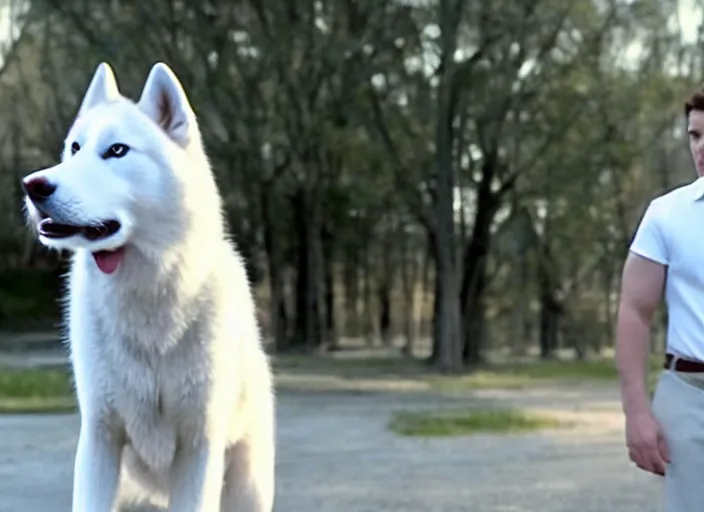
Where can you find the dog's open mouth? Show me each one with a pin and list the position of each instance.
(51, 229)
(107, 261)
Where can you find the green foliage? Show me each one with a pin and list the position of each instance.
(36, 390)
(35, 382)
(540, 373)
(463, 423)
(29, 298)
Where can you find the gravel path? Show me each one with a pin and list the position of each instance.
(335, 454)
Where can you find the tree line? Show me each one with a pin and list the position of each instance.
(454, 177)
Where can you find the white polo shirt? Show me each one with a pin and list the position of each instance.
(671, 232)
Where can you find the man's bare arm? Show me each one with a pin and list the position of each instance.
(642, 286)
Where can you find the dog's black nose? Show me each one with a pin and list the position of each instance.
(38, 189)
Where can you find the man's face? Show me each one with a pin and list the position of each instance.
(696, 139)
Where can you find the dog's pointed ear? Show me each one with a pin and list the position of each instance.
(165, 102)
(102, 88)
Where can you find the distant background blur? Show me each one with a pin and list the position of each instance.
(448, 179)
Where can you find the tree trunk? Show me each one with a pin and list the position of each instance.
(328, 246)
(368, 307)
(316, 275)
(384, 288)
(385, 313)
(549, 325)
(409, 270)
(308, 332)
(351, 278)
(277, 303)
(474, 276)
(435, 352)
(521, 328)
(550, 306)
(447, 328)
(474, 319)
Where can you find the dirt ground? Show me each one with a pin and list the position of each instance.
(336, 454)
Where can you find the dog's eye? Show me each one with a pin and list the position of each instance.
(75, 146)
(116, 151)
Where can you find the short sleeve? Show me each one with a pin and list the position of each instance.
(649, 241)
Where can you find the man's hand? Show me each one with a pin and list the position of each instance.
(641, 291)
(646, 443)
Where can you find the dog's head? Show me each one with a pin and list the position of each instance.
(121, 177)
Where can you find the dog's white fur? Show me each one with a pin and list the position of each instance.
(174, 387)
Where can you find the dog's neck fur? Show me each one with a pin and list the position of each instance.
(145, 291)
(179, 275)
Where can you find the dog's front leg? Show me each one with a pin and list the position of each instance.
(96, 469)
(197, 477)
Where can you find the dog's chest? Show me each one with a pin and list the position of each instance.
(156, 398)
(154, 350)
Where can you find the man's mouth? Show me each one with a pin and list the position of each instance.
(50, 229)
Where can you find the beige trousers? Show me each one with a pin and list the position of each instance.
(678, 404)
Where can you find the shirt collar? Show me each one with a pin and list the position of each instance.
(698, 189)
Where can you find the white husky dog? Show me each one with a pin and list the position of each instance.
(174, 387)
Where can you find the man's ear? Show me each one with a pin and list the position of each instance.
(165, 102)
(102, 88)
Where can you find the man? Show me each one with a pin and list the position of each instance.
(667, 255)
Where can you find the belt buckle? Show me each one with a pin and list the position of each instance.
(673, 362)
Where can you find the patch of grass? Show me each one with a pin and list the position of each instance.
(55, 405)
(462, 423)
(347, 365)
(481, 379)
(524, 375)
(36, 390)
(504, 375)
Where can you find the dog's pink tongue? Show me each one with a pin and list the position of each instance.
(108, 261)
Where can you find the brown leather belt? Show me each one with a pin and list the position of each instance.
(683, 365)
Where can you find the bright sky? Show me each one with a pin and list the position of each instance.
(5, 28)
(4, 23)
(690, 15)
(8, 32)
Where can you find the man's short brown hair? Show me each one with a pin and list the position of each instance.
(695, 102)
